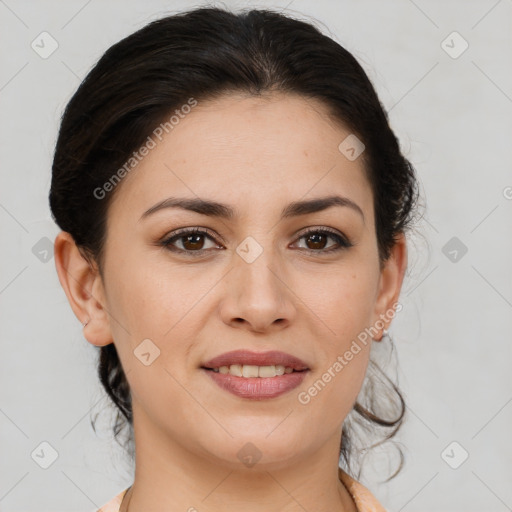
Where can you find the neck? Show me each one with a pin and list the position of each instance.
(170, 477)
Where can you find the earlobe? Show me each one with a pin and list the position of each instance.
(81, 282)
(391, 279)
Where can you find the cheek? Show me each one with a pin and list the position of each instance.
(160, 302)
(344, 303)
(146, 295)
(333, 389)
(344, 300)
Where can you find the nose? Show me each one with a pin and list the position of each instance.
(257, 296)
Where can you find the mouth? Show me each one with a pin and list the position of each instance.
(249, 371)
(245, 363)
(256, 375)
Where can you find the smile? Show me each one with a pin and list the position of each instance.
(250, 370)
(256, 388)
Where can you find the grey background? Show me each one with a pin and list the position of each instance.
(453, 117)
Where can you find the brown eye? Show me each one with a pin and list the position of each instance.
(190, 240)
(316, 241)
(193, 242)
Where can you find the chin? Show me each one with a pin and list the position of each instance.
(253, 449)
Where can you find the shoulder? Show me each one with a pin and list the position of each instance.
(114, 504)
(365, 501)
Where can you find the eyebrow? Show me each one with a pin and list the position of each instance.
(224, 211)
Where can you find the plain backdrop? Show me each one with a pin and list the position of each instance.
(443, 71)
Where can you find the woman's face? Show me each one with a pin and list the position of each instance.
(257, 281)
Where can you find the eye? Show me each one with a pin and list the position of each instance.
(192, 241)
(316, 239)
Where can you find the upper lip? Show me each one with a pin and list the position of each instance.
(269, 358)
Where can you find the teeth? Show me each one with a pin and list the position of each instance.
(249, 370)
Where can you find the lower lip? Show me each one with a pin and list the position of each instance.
(257, 388)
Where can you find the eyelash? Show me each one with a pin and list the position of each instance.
(343, 242)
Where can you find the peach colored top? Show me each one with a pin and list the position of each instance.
(363, 498)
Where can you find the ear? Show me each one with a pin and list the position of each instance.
(83, 286)
(390, 284)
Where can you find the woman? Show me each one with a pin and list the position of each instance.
(233, 206)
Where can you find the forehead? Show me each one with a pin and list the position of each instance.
(242, 147)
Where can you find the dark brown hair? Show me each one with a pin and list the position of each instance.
(206, 53)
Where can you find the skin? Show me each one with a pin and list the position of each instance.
(257, 155)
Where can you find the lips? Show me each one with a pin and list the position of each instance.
(246, 357)
(257, 388)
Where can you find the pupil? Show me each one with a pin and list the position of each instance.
(316, 242)
(190, 239)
